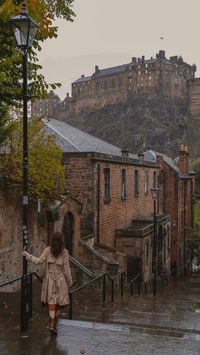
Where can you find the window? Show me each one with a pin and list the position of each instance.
(106, 185)
(123, 184)
(136, 183)
(146, 182)
(113, 83)
(154, 179)
(97, 86)
(147, 253)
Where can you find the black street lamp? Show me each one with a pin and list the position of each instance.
(25, 30)
(155, 195)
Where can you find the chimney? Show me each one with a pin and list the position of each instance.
(161, 54)
(139, 60)
(82, 76)
(141, 156)
(174, 59)
(125, 152)
(96, 69)
(143, 58)
(159, 159)
(134, 60)
(183, 159)
(67, 95)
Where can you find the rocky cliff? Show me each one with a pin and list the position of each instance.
(143, 122)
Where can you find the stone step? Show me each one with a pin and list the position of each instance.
(75, 337)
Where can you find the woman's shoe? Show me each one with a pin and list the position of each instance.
(53, 329)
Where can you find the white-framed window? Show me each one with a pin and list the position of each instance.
(123, 183)
(146, 182)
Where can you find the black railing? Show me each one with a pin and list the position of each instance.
(121, 277)
(27, 294)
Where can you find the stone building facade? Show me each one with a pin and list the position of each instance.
(171, 77)
(141, 76)
(194, 97)
(47, 107)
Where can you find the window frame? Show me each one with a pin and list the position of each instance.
(107, 185)
(136, 182)
(123, 184)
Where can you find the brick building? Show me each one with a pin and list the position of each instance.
(113, 187)
(177, 181)
(107, 212)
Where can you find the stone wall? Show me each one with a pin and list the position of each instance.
(194, 97)
(11, 237)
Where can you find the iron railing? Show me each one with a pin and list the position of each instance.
(121, 279)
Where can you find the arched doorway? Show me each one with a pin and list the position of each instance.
(68, 231)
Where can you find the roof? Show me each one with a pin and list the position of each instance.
(150, 156)
(82, 79)
(110, 71)
(71, 139)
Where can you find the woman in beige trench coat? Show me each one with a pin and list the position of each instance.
(57, 280)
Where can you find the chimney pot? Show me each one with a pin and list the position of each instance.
(141, 156)
(125, 152)
(183, 159)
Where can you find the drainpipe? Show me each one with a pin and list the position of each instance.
(184, 226)
(98, 202)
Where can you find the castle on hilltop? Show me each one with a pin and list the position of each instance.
(169, 77)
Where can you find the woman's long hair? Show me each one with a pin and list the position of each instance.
(57, 244)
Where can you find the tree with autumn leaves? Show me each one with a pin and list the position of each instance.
(46, 175)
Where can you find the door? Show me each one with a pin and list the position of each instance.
(68, 231)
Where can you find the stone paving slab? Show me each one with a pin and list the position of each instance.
(109, 339)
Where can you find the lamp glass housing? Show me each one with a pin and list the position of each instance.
(155, 192)
(25, 30)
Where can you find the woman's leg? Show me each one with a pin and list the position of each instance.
(52, 314)
(52, 310)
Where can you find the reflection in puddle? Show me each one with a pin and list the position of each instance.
(52, 348)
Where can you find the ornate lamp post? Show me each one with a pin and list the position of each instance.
(155, 195)
(25, 30)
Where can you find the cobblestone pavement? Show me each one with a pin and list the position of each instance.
(168, 323)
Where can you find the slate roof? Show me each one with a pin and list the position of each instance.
(150, 156)
(71, 139)
(110, 71)
(82, 79)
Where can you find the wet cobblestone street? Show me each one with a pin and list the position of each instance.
(168, 323)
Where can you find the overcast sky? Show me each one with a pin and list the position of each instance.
(111, 32)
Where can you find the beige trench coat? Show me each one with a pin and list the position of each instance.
(57, 280)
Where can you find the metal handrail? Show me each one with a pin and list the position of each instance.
(86, 284)
(11, 281)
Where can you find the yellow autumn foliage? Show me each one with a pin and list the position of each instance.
(46, 173)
